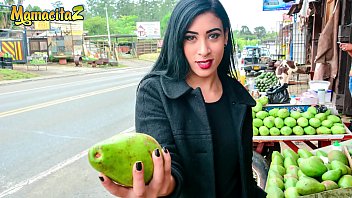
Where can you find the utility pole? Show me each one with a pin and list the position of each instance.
(107, 24)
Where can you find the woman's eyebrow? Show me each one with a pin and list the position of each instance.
(214, 29)
(211, 30)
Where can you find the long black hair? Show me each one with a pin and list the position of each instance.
(172, 60)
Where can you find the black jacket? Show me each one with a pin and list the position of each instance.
(175, 115)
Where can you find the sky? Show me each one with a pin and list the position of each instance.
(241, 12)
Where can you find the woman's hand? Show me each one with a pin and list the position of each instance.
(346, 46)
(162, 183)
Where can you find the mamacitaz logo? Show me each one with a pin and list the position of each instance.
(21, 17)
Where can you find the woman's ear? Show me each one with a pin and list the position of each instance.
(226, 36)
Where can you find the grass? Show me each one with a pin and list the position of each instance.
(8, 74)
(149, 57)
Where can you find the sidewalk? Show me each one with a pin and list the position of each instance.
(54, 70)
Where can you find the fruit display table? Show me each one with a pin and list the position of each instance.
(37, 61)
(322, 135)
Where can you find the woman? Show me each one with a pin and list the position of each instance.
(347, 47)
(196, 111)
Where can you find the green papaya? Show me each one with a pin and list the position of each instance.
(291, 182)
(345, 181)
(274, 192)
(330, 185)
(312, 166)
(291, 192)
(339, 165)
(337, 155)
(321, 153)
(116, 156)
(308, 185)
(333, 175)
(304, 153)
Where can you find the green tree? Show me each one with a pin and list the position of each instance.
(164, 23)
(34, 8)
(245, 30)
(260, 32)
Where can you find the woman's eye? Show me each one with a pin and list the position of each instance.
(214, 36)
(190, 38)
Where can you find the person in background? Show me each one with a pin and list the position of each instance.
(193, 105)
(347, 47)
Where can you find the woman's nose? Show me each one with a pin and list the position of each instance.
(204, 49)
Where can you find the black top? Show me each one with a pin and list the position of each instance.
(225, 141)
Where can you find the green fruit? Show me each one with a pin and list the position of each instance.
(290, 182)
(289, 161)
(273, 112)
(328, 166)
(337, 155)
(323, 130)
(314, 122)
(286, 131)
(264, 131)
(277, 160)
(262, 115)
(327, 123)
(304, 153)
(334, 118)
(312, 110)
(255, 131)
(257, 122)
(309, 130)
(278, 168)
(258, 107)
(303, 122)
(298, 130)
(290, 122)
(295, 114)
(116, 156)
(339, 165)
(268, 122)
(291, 192)
(275, 181)
(275, 131)
(321, 153)
(283, 113)
(300, 173)
(279, 123)
(263, 100)
(330, 185)
(253, 114)
(307, 186)
(328, 112)
(345, 181)
(338, 124)
(307, 115)
(274, 173)
(292, 169)
(312, 166)
(274, 192)
(276, 153)
(338, 130)
(290, 153)
(321, 116)
(333, 175)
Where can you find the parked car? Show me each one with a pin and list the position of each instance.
(254, 58)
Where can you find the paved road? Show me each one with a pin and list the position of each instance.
(47, 126)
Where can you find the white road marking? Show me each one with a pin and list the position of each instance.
(62, 100)
(50, 171)
(72, 83)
